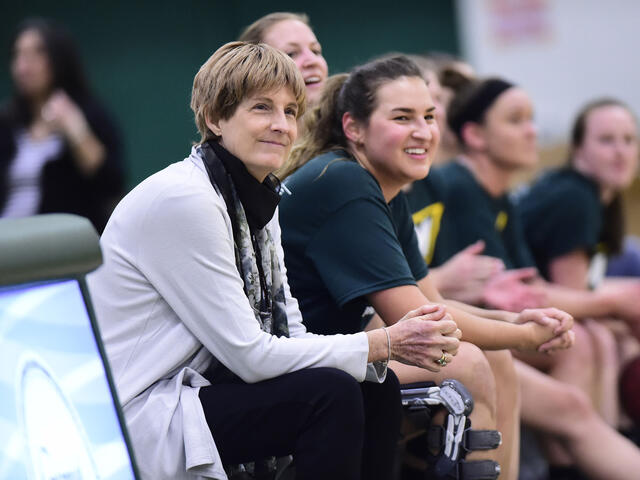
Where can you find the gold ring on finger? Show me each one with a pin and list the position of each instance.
(442, 361)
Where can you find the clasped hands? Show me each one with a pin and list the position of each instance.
(550, 328)
(426, 337)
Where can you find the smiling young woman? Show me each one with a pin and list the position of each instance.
(350, 243)
(291, 33)
(398, 143)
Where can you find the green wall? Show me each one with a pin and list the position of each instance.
(141, 56)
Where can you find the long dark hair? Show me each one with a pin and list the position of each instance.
(66, 68)
(354, 93)
(614, 225)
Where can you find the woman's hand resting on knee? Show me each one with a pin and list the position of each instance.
(426, 337)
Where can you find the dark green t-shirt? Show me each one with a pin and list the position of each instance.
(561, 212)
(427, 203)
(472, 214)
(342, 241)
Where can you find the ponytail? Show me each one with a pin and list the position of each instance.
(323, 128)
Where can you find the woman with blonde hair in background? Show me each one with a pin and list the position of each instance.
(292, 33)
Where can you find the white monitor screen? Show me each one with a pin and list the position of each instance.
(58, 416)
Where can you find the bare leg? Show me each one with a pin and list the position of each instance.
(565, 412)
(591, 365)
(575, 366)
(607, 372)
(508, 410)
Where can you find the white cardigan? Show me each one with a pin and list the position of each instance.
(167, 297)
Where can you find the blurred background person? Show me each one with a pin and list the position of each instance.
(573, 243)
(573, 215)
(627, 262)
(452, 74)
(493, 120)
(59, 150)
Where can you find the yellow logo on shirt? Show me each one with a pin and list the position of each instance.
(501, 220)
(427, 224)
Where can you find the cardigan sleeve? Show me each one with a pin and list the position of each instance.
(187, 253)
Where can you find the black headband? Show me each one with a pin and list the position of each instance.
(472, 104)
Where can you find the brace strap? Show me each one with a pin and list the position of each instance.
(478, 470)
(471, 440)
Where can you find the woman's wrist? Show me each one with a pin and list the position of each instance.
(518, 336)
(379, 343)
(527, 337)
(77, 131)
(504, 316)
(386, 331)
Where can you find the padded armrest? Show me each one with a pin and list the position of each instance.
(47, 247)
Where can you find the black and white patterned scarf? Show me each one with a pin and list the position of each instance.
(256, 257)
(259, 267)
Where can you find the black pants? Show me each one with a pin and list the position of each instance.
(334, 427)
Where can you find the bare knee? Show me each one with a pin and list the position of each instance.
(573, 410)
(582, 353)
(603, 341)
(503, 366)
(472, 368)
(507, 380)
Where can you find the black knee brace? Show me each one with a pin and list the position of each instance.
(453, 440)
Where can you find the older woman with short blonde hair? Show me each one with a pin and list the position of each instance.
(210, 358)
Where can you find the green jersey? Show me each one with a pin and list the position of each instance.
(343, 241)
(472, 214)
(427, 202)
(561, 213)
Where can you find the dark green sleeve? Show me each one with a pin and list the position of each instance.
(356, 251)
(559, 222)
(516, 244)
(575, 225)
(468, 218)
